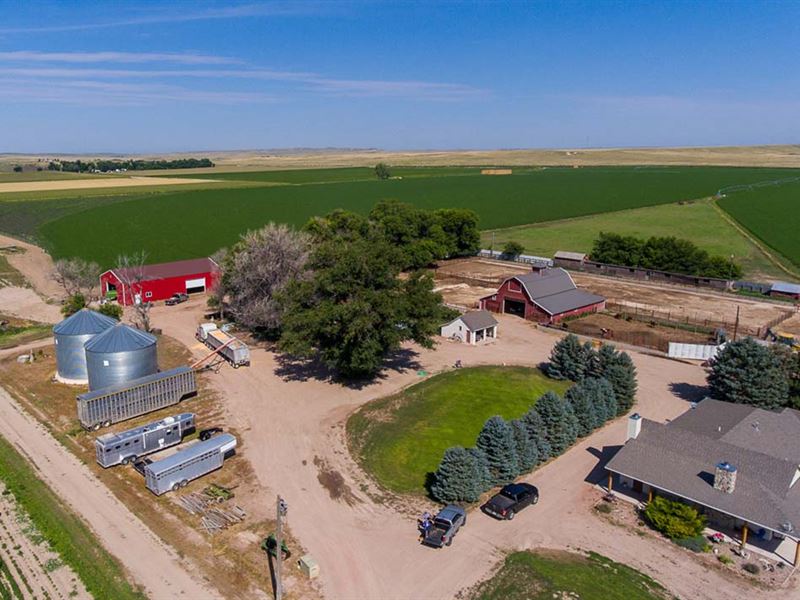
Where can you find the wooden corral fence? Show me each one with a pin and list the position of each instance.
(697, 323)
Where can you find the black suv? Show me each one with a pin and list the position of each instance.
(510, 500)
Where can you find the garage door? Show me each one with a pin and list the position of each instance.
(514, 307)
(195, 285)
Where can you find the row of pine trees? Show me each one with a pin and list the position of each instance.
(605, 387)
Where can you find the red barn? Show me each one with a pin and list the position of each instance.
(159, 282)
(545, 296)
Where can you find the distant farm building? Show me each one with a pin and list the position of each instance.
(472, 328)
(545, 296)
(786, 290)
(160, 281)
(496, 171)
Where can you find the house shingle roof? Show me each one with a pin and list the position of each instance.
(680, 457)
(478, 319)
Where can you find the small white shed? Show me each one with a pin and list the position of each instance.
(472, 328)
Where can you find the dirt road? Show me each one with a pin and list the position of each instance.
(289, 418)
(150, 562)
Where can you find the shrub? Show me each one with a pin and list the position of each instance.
(459, 477)
(73, 304)
(752, 568)
(696, 543)
(604, 507)
(674, 519)
(111, 310)
(496, 439)
(512, 248)
(725, 559)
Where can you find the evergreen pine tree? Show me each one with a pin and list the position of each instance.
(559, 422)
(496, 439)
(745, 372)
(581, 399)
(591, 360)
(619, 370)
(527, 452)
(603, 398)
(458, 477)
(567, 359)
(537, 434)
(483, 478)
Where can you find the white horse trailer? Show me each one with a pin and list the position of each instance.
(126, 446)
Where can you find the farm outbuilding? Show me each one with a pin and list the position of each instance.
(160, 281)
(545, 296)
(472, 328)
(786, 290)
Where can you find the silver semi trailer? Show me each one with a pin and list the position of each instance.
(234, 351)
(116, 403)
(178, 470)
(126, 446)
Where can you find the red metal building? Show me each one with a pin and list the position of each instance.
(545, 296)
(160, 281)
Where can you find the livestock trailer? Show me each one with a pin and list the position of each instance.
(234, 351)
(126, 446)
(116, 403)
(178, 470)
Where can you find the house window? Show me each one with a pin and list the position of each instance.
(148, 294)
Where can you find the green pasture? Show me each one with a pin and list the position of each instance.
(771, 213)
(699, 221)
(332, 175)
(556, 574)
(185, 223)
(401, 438)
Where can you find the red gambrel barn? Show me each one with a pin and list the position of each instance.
(159, 282)
(545, 296)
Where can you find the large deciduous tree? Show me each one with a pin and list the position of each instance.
(744, 372)
(353, 309)
(77, 276)
(257, 269)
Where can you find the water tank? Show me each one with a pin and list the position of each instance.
(120, 354)
(70, 336)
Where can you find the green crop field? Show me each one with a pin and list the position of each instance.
(183, 224)
(174, 223)
(694, 221)
(400, 439)
(556, 574)
(772, 214)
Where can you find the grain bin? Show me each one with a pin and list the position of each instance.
(120, 354)
(70, 336)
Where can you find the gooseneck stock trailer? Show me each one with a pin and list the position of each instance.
(101, 408)
(178, 470)
(126, 446)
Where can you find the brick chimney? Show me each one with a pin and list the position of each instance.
(725, 477)
(634, 426)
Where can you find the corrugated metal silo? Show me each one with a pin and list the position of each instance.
(118, 355)
(70, 336)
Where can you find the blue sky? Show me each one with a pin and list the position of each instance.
(157, 77)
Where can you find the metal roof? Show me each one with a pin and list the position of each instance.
(555, 292)
(477, 319)
(178, 268)
(121, 338)
(107, 438)
(563, 254)
(84, 322)
(218, 442)
(679, 457)
(132, 383)
(785, 287)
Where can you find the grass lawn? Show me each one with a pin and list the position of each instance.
(555, 574)
(772, 214)
(401, 438)
(68, 535)
(692, 221)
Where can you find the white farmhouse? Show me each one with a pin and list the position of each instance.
(472, 328)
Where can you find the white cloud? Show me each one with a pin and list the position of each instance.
(116, 57)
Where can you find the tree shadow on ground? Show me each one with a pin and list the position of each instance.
(291, 368)
(689, 391)
(598, 474)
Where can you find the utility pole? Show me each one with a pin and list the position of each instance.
(281, 512)
(736, 325)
